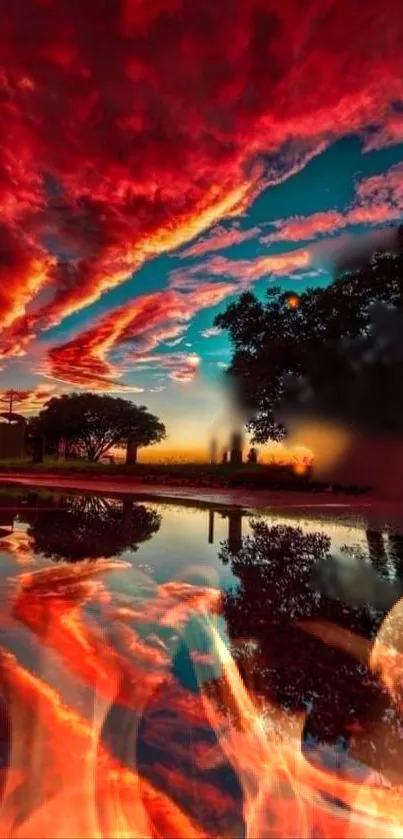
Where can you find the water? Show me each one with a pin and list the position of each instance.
(276, 570)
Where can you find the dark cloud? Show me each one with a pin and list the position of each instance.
(349, 252)
(356, 383)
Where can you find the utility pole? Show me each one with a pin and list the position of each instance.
(11, 396)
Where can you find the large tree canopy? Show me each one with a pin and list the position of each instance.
(97, 423)
(283, 336)
(88, 527)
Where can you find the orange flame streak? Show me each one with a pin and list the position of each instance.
(49, 603)
(267, 756)
(59, 795)
(49, 597)
(339, 637)
(91, 793)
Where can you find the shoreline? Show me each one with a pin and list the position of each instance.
(206, 496)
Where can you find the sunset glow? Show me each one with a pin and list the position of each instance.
(160, 158)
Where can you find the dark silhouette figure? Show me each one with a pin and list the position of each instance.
(87, 527)
(236, 448)
(252, 455)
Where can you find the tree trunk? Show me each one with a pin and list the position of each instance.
(131, 453)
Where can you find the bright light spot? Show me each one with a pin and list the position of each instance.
(293, 301)
(193, 360)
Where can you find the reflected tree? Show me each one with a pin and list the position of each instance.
(274, 567)
(278, 660)
(88, 527)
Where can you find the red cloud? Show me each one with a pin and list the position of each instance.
(389, 133)
(134, 331)
(129, 131)
(24, 271)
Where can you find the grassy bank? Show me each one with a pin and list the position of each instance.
(270, 476)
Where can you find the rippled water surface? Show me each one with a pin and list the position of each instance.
(106, 603)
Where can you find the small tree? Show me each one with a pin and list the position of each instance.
(97, 423)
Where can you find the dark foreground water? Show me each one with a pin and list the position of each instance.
(279, 574)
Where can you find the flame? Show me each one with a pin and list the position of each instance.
(104, 647)
(18, 544)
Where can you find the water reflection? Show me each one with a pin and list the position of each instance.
(288, 576)
(77, 527)
(234, 516)
(351, 580)
(134, 641)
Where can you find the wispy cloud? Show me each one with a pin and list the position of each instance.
(220, 238)
(378, 200)
(210, 332)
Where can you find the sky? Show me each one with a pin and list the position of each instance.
(159, 157)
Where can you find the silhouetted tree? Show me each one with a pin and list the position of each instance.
(272, 339)
(97, 423)
(87, 527)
